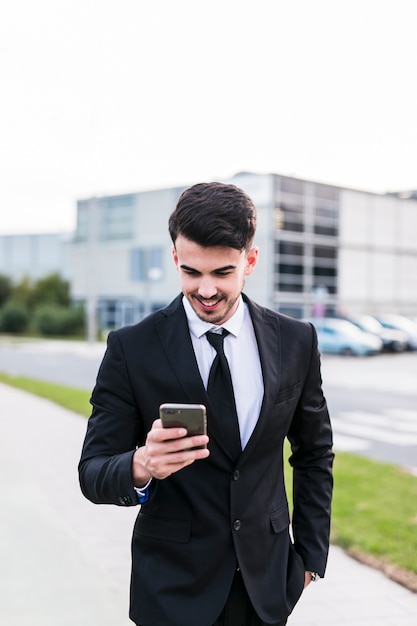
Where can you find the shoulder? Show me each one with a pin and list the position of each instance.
(261, 314)
(146, 327)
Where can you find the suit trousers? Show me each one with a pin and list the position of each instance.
(238, 610)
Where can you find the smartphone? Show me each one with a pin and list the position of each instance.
(189, 416)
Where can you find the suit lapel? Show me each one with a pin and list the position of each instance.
(175, 337)
(267, 332)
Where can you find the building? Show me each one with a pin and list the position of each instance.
(35, 256)
(323, 249)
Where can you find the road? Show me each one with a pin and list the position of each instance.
(373, 405)
(372, 400)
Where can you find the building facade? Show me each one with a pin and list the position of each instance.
(35, 255)
(323, 249)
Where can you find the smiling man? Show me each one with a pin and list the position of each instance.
(212, 279)
(212, 544)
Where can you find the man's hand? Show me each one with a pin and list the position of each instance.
(166, 451)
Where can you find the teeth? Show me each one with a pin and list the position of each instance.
(208, 303)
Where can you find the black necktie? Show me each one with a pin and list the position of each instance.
(220, 392)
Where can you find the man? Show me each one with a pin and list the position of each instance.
(211, 544)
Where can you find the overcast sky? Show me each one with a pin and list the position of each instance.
(106, 96)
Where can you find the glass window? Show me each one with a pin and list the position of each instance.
(325, 252)
(289, 248)
(291, 310)
(326, 212)
(146, 264)
(292, 218)
(116, 222)
(292, 185)
(82, 221)
(329, 231)
(326, 191)
(286, 268)
(290, 287)
(137, 264)
(117, 202)
(325, 271)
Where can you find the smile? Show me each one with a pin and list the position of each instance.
(208, 304)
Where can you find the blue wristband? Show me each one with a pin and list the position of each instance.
(144, 498)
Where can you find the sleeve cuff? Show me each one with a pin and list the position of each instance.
(143, 492)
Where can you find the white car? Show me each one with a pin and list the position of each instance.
(399, 322)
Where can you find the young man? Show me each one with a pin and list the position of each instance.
(211, 544)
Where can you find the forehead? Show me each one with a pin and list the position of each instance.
(206, 258)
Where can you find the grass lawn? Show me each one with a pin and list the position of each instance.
(73, 399)
(374, 505)
(375, 515)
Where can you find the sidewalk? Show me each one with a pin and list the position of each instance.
(65, 561)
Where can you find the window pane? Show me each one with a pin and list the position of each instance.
(290, 248)
(291, 185)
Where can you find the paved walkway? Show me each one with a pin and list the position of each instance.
(66, 562)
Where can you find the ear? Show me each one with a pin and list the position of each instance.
(251, 260)
(175, 256)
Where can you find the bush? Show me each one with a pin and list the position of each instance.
(5, 289)
(51, 320)
(14, 317)
(52, 290)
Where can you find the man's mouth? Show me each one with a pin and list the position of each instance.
(208, 304)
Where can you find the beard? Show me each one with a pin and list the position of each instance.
(217, 316)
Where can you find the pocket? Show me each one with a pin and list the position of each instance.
(162, 528)
(295, 577)
(288, 393)
(280, 520)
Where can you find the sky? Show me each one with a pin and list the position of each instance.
(102, 97)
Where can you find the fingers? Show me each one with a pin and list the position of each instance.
(175, 439)
(162, 462)
(166, 451)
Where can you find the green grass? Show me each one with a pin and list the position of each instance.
(74, 399)
(374, 514)
(374, 506)
(375, 510)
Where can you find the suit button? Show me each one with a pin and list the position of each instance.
(236, 475)
(237, 524)
(125, 500)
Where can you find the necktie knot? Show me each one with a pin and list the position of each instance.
(217, 340)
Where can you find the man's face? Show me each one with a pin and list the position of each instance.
(212, 278)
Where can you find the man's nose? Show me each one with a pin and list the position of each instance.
(207, 288)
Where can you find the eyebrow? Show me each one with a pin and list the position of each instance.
(225, 268)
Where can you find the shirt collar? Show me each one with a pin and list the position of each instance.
(198, 327)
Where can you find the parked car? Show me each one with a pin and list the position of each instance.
(399, 322)
(393, 340)
(338, 336)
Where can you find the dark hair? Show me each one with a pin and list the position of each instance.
(214, 214)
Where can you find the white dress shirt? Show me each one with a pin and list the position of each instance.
(241, 350)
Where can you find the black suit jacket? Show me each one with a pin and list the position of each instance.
(203, 520)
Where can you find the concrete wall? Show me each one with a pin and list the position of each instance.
(378, 253)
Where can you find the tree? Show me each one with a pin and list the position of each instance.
(51, 289)
(6, 288)
(22, 292)
(14, 317)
